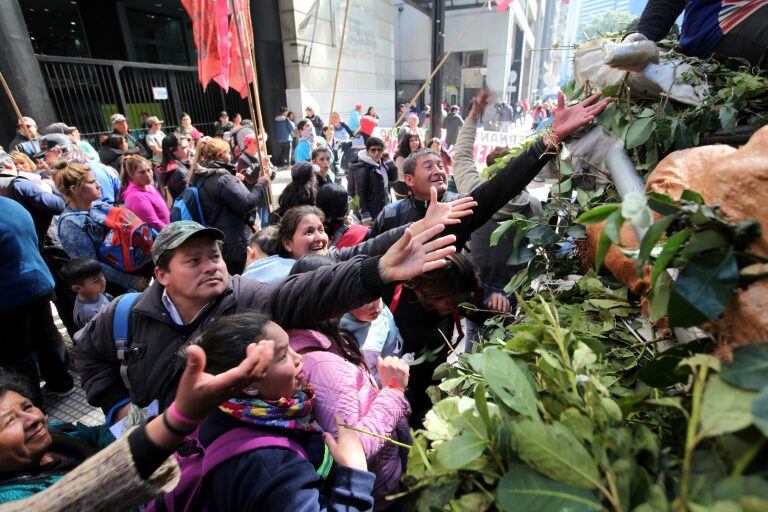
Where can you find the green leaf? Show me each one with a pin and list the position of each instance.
(502, 228)
(671, 246)
(596, 215)
(650, 238)
(583, 358)
(507, 381)
(702, 241)
(603, 244)
(662, 204)
(725, 408)
(760, 411)
(521, 488)
(735, 487)
(728, 117)
(690, 195)
(517, 281)
(543, 235)
(749, 369)
(613, 225)
(703, 289)
(555, 452)
(481, 404)
(640, 130)
(658, 299)
(634, 208)
(460, 451)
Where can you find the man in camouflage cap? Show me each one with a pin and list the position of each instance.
(192, 289)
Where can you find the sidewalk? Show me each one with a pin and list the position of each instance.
(73, 408)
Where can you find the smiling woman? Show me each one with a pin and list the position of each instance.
(33, 456)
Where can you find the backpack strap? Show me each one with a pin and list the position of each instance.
(120, 332)
(247, 439)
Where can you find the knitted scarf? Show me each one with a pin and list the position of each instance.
(293, 413)
(309, 136)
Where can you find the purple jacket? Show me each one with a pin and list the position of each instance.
(349, 390)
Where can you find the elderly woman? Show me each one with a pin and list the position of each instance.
(95, 472)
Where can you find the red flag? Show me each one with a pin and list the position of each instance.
(209, 29)
(502, 5)
(236, 58)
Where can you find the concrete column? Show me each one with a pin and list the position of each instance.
(22, 72)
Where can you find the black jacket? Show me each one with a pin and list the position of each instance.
(175, 179)
(154, 363)
(23, 144)
(228, 205)
(317, 122)
(111, 157)
(370, 185)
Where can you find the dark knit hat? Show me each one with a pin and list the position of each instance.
(302, 171)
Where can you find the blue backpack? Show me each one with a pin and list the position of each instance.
(187, 206)
(120, 323)
(196, 462)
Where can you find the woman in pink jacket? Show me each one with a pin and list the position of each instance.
(343, 386)
(140, 195)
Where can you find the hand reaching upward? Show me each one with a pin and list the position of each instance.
(569, 119)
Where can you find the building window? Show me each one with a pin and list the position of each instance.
(158, 38)
(474, 59)
(55, 27)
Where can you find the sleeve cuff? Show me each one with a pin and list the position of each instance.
(370, 277)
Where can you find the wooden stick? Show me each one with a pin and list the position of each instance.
(255, 84)
(238, 17)
(338, 60)
(22, 124)
(440, 64)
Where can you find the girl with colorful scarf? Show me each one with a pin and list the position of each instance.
(279, 405)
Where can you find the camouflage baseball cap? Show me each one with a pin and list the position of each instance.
(176, 233)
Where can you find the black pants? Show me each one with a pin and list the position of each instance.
(29, 331)
(285, 153)
(748, 39)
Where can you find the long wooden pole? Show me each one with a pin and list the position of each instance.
(22, 124)
(243, 56)
(338, 60)
(255, 84)
(440, 64)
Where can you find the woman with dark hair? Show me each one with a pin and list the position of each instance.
(336, 368)
(185, 125)
(334, 201)
(173, 172)
(302, 190)
(301, 231)
(34, 455)
(139, 193)
(112, 151)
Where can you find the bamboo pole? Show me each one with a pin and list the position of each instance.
(338, 60)
(253, 105)
(440, 64)
(22, 124)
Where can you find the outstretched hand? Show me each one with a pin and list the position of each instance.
(199, 392)
(447, 213)
(413, 255)
(569, 119)
(480, 103)
(346, 449)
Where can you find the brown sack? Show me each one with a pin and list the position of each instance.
(734, 179)
(617, 263)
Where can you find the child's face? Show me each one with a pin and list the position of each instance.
(91, 286)
(284, 376)
(369, 312)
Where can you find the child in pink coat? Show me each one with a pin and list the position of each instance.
(336, 368)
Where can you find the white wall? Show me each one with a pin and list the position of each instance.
(368, 60)
(413, 42)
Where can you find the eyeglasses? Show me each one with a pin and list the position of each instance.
(376, 150)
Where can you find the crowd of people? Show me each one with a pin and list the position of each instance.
(288, 346)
